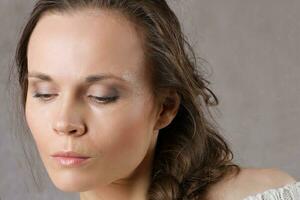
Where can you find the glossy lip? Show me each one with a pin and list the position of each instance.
(69, 154)
(70, 158)
(70, 162)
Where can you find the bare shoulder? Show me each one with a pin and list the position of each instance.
(248, 182)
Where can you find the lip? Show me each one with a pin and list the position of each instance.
(70, 158)
(70, 161)
(69, 154)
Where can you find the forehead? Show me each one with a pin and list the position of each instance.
(72, 45)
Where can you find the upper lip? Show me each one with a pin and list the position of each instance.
(70, 154)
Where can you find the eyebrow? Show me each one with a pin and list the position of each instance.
(89, 79)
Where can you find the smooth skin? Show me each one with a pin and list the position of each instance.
(120, 135)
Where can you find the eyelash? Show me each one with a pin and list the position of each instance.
(102, 100)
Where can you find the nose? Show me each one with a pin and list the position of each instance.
(69, 121)
(69, 128)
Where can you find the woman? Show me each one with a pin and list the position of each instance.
(116, 105)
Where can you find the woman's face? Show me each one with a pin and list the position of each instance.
(65, 54)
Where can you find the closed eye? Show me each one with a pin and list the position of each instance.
(44, 97)
(106, 99)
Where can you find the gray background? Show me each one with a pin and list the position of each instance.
(252, 47)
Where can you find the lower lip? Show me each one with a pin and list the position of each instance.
(70, 161)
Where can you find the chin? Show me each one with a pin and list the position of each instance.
(69, 182)
(67, 186)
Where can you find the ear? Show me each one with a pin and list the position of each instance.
(170, 102)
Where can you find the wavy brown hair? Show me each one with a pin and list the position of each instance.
(190, 154)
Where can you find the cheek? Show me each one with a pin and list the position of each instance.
(124, 134)
(37, 125)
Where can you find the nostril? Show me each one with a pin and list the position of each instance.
(73, 131)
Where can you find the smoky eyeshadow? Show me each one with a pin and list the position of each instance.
(95, 89)
(108, 91)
